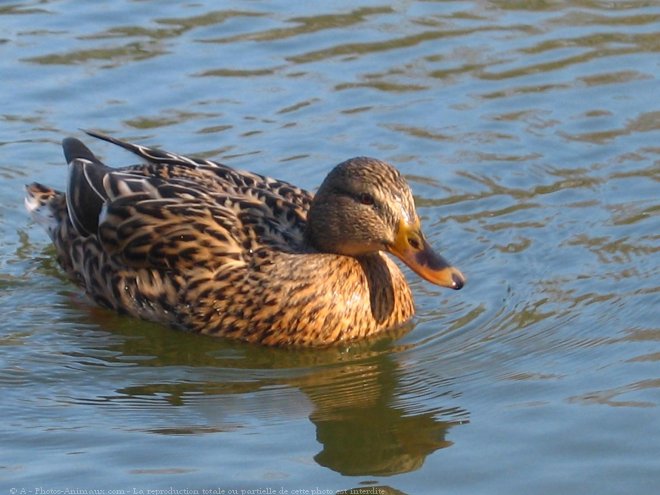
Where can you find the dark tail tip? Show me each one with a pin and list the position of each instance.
(74, 148)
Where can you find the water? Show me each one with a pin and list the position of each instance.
(529, 132)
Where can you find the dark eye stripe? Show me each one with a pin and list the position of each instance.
(366, 199)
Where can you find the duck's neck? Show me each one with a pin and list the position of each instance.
(390, 299)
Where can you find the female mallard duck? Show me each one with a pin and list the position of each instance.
(201, 246)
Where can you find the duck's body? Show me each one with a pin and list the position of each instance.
(201, 246)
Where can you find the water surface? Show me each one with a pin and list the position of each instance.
(529, 132)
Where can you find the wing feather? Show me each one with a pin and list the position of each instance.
(166, 225)
(175, 212)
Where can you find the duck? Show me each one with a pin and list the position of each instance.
(200, 246)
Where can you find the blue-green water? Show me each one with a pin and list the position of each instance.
(530, 132)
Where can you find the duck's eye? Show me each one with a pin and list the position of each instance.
(414, 243)
(366, 199)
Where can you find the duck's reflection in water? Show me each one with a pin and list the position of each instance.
(368, 419)
(367, 433)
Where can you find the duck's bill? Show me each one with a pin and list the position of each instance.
(411, 248)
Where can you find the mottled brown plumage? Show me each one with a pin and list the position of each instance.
(201, 246)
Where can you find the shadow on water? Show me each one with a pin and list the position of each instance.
(350, 394)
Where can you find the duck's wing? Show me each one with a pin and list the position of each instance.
(153, 155)
(168, 225)
(176, 165)
(177, 221)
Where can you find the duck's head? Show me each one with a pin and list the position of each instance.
(363, 206)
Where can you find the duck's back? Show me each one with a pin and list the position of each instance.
(135, 237)
(176, 181)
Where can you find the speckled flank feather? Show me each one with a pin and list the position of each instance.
(203, 247)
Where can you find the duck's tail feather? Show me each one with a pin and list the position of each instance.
(154, 155)
(74, 148)
(41, 203)
(86, 193)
